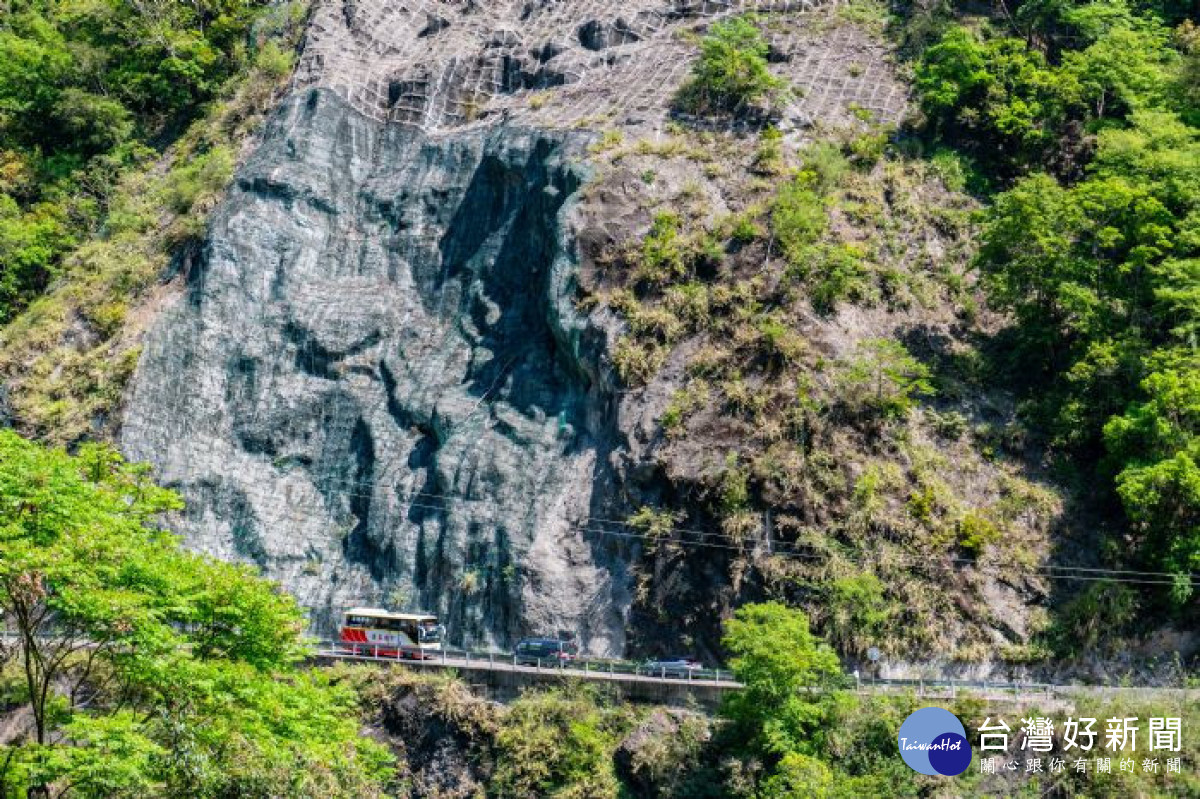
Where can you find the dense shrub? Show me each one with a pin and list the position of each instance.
(732, 70)
(83, 89)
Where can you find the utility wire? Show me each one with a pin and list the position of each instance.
(1049, 572)
(1167, 578)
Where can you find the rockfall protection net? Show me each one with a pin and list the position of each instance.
(445, 64)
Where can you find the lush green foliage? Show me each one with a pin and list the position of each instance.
(732, 70)
(66, 357)
(775, 656)
(88, 90)
(146, 669)
(816, 740)
(1095, 245)
(1015, 106)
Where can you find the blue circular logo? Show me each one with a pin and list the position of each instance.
(933, 741)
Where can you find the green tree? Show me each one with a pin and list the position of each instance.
(785, 671)
(799, 777)
(1094, 248)
(1155, 445)
(1015, 109)
(732, 71)
(994, 96)
(883, 379)
(146, 669)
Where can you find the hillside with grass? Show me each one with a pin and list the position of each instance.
(925, 378)
(769, 333)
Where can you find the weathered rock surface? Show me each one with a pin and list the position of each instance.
(376, 386)
(448, 64)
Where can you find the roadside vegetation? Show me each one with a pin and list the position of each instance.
(132, 668)
(797, 731)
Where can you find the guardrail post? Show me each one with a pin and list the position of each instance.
(953, 690)
(610, 667)
(375, 652)
(467, 656)
(921, 690)
(491, 659)
(443, 654)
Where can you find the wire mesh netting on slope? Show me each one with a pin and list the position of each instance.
(446, 64)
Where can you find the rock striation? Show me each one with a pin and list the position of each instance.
(376, 386)
(375, 383)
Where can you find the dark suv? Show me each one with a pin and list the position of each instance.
(545, 652)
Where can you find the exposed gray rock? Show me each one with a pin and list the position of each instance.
(376, 385)
(600, 35)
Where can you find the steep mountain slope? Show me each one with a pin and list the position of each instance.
(485, 325)
(376, 384)
(384, 393)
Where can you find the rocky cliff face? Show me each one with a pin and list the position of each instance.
(378, 382)
(376, 386)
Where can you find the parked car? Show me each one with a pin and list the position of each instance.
(681, 667)
(545, 652)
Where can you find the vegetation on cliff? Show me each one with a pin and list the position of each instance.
(948, 355)
(804, 324)
(120, 124)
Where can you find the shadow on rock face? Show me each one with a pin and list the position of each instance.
(379, 358)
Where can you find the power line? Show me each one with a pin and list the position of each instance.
(1049, 572)
(1171, 577)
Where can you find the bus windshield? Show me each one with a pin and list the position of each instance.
(430, 632)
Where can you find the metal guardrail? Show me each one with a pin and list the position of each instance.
(601, 668)
(593, 667)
